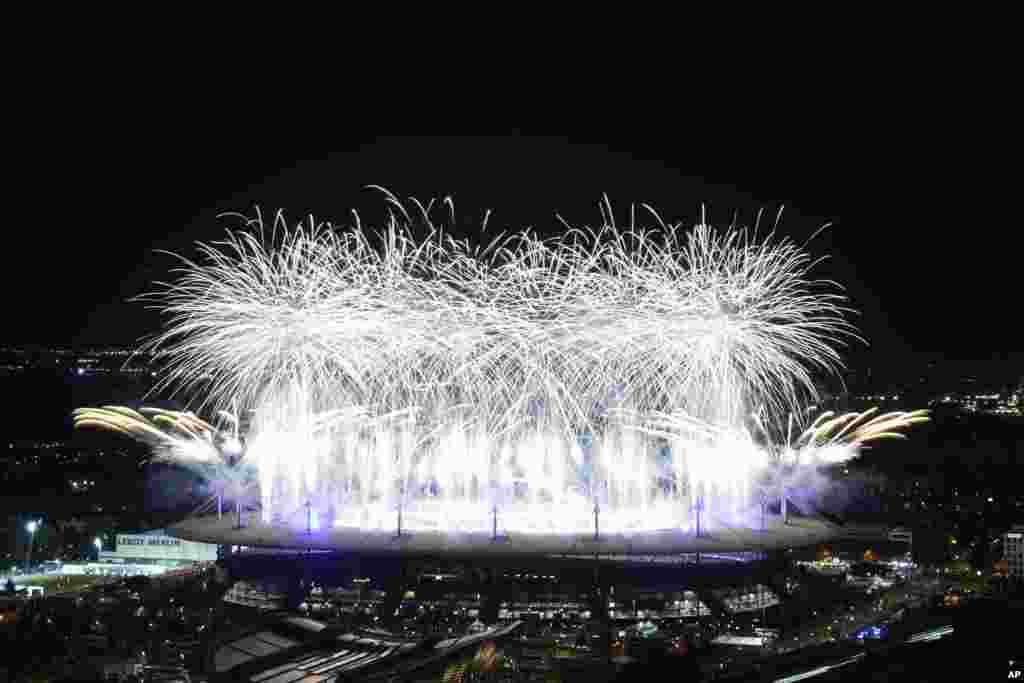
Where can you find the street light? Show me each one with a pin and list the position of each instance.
(31, 527)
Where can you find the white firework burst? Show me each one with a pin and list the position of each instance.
(497, 358)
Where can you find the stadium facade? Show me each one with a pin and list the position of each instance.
(158, 548)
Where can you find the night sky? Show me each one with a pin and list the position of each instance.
(927, 249)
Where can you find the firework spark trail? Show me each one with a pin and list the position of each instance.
(173, 436)
(500, 357)
(831, 438)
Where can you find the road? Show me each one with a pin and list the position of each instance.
(844, 625)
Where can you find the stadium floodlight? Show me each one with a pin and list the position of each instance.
(31, 527)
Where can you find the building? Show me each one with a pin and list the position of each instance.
(901, 535)
(157, 548)
(1013, 552)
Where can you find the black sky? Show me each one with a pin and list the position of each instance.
(921, 235)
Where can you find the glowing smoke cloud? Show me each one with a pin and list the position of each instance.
(457, 383)
(832, 439)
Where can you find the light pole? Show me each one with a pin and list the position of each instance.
(232, 449)
(783, 507)
(99, 546)
(763, 496)
(31, 527)
(698, 508)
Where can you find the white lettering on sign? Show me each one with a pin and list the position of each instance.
(147, 540)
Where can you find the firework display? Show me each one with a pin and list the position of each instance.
(529, 384)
